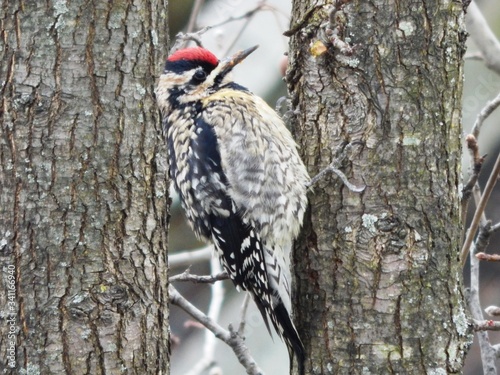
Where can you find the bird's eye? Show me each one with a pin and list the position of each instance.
(199, 76)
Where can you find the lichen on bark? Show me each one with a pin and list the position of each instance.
(84, 189)
(379, 283)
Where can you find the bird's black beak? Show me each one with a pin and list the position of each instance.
(229, 63)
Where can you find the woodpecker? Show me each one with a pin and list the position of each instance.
(239, 176)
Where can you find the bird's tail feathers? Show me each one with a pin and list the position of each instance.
(280, 308)
(287, 330)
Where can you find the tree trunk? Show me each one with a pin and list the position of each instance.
(83, 220)
(379, 282)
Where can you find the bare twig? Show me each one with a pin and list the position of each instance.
(492, 310)
(485, 325)
(198, 279)
(496, 348)
(250, 13)
(244, 307)
(477, 164)
(483, 115)
(230, 337)
(194, 16)
(488, 355)
(240, 32)
(488, 257)
(182, 39)
(177, 299)
(484, 38)
(495, 228)
(208, 359)
(480, 210)
(195, 36)
(332, 169)
(483, 235)
(187, 257)
(474, 56)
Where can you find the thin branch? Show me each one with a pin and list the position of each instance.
(217, 290)
(479, 210)
(477, 164)
(484, 38)
(188, 257)
(199, 279)
(484, 114)
(492, 310)
(242, 29)
(249, 15)
(194, 16)
(488, 355)
(485, 325)
(483, 236)
(177, 299)
(195, 36)
(208, 359)
(474, 56)
(488, 257)
(495, 228)
(181, 39)
(230, 337)
(237, 343)
(332, 169)
(496, 348)
(244, 308)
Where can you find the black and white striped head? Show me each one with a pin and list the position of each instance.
(194, 73)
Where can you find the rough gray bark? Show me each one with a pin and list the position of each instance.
(379, 281)
(83, 212)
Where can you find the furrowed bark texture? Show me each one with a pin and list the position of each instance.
(83, 187)
(379, 282)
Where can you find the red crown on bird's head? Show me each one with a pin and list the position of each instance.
(194, 54)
